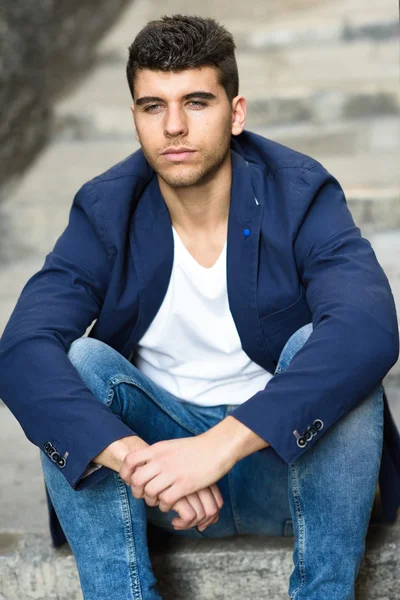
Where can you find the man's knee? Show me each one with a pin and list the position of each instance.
(92, 359)
(84, 349)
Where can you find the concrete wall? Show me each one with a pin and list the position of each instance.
(44, 46)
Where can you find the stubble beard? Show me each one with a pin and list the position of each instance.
(205, 172)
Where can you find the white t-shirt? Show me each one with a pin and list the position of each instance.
(192, 348)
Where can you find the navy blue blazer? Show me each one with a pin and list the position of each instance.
(304, 261)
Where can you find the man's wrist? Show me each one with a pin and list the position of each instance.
(113, 455)
(235, 438)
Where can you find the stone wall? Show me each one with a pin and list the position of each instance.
(44, 46)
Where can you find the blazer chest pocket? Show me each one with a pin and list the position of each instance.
(278, 327)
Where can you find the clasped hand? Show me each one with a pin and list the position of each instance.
(180, 475)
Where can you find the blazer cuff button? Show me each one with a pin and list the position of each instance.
(313, 430)
(318, 424)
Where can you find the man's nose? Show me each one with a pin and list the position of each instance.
(175, 123)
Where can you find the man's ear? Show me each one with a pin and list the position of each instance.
(239, 110)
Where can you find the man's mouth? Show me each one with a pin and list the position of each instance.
(178, 154)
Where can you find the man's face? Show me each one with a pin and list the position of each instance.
(188, 111)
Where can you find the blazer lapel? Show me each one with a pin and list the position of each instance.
(152, 248)
(244, 223)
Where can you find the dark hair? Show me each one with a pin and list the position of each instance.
(180, 42)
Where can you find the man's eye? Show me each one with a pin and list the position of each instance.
(198, 103)
(193, 103)
(151, 107)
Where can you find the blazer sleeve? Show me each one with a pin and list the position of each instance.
(355, 338)
(38, 382)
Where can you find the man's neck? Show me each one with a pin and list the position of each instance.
(202, 209)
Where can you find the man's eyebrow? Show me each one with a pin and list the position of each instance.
(202, 95)
(147, 99)
(199, 94)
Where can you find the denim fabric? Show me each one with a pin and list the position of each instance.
(324, 498)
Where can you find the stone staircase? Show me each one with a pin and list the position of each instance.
(321, 77)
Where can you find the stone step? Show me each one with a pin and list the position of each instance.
(386, 245)
(332, 67)
(341, 138)
(23, 497)
(281, 87)
(271, 23)
(346, 30)
(292, 106)
(220, 569)
(244, 567)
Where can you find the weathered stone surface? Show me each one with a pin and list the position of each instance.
(42, 46)
(244, 567)
(307, 35)
(221, 569)
(343, 137)
(320, 106)
(31, 569)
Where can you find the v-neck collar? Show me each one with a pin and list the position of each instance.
(190, 258)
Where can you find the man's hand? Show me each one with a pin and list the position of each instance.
(200, 508)
(169, 470)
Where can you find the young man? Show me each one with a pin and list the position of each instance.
(232, 381)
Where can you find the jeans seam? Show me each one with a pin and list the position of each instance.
(235, 512)
(236, 518)
(301, 529)
(127, 522)
(116, 380)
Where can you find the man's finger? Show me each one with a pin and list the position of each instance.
(170, 496)
(199, 510)
(203, 502)
(141, 477)
(186, 512)
(210, 507)
(217, 495)
(203, 526)
(132, 460)
(158, 484)
(151, 501)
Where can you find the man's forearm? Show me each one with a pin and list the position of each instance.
(235, 439)
(113, 456)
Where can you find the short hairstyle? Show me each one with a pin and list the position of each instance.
(180, 42)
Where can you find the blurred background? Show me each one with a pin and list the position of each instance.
(319, 76)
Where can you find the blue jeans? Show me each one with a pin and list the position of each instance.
(324, 498)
